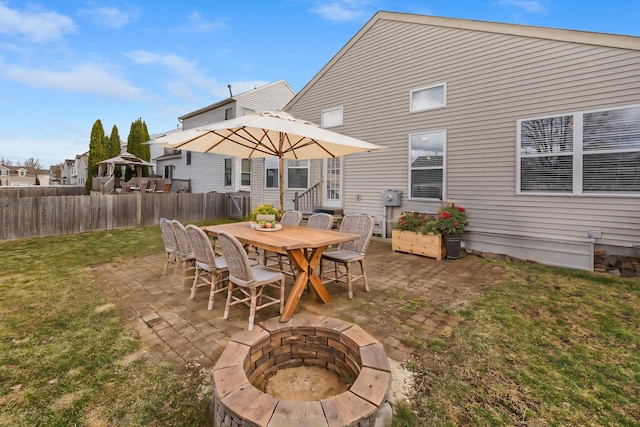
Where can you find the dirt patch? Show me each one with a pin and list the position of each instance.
(306, 383)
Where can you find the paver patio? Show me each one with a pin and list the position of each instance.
(412, 299)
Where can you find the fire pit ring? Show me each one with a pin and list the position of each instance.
(311, 340)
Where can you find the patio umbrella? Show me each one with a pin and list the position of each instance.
(266, 134)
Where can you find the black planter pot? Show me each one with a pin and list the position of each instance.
(452, 243)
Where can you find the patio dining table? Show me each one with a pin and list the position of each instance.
(303, 245)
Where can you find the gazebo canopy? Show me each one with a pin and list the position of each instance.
(124, 159)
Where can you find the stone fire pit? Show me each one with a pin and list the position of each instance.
(339, 346)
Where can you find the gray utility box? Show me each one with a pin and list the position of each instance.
(391, 198)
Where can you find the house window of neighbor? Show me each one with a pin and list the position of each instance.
(245, 178)
(592, 152)
(426, 164)
(228, 170)
(22, 172)
(332, 117)
(428, 97)
(168, 171)
(188, 157)
(297, 173)
(271, 168)
(228, 114)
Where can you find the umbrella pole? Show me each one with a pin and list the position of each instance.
(281, 184)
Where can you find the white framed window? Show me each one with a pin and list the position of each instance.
(245, 177)
(297, 174)
(22, 172)
(332, 117)
(228, 171)
(427, 98)
(3, 172)
(588, 152)
(426, 164)
(271, 171)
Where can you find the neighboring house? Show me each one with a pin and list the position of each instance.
(80, 168)
(43, 177)
(17, 176)
(211, 172)
(535, 131)
(55, 175)
(66, 171)
(4, 175)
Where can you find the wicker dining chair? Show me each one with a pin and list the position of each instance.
(320, 220)
(249, 282)
(185, 253)
(170, 244)
(348, 253)
(211, 270)
(272, 259)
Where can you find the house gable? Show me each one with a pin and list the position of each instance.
(495, 74)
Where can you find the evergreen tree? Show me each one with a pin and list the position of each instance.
(97, 152)
(136, 142)
(114, 143)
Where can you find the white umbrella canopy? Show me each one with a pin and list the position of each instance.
(266, 134)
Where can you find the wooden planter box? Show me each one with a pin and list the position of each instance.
(429, 245)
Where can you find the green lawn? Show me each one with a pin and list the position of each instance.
(546, 346)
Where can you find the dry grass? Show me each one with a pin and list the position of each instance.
(545, 347)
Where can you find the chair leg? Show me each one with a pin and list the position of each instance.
(282, 295)
(212, 292)
(364, 275)
(196, 278)
(349, 285)
(252, 309)
(228, 304)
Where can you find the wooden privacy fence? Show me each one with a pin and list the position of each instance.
(55, 215)
(41, 191)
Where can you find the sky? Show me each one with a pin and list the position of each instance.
(65, 64)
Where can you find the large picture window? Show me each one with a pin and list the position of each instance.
(581, 153)
(426, 164)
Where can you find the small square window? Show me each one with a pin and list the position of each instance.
(332, 117)
(428, 98)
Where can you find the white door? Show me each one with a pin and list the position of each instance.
(332, 183)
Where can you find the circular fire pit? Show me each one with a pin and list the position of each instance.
(333, 344)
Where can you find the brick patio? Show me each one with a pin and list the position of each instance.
(412, 299)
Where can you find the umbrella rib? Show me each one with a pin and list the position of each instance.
(251, 143)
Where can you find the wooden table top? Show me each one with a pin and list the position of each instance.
(290, 237)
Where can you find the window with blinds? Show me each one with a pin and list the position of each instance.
(428, 97)
(596, 152)
(426, 164)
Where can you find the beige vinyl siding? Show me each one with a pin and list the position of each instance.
(273, 96)
(493, 78)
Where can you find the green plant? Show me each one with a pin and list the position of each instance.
(452, 219)
(264, 210)
(419, 222)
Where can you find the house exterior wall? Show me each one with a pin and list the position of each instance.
(206, 171)
(495, 74)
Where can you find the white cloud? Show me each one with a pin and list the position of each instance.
(83, 78)
(530, 6)
(188, 82)
(34, 24)
(189, 77)
(109, 16)
(196, 24)
(342, 10)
